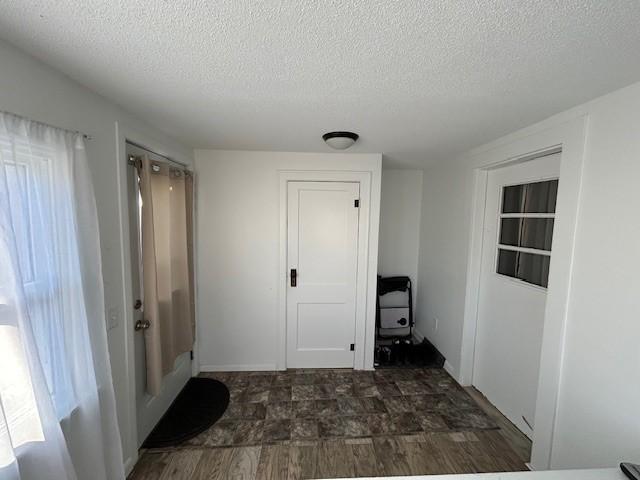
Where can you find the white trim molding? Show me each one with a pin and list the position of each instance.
(264, 367)
(569, 138)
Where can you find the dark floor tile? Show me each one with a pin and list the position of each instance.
(388, 390)
(282, 380)
(331, 427)
(345, 390)
(238, 379)
(248, 432)
(380, 424)
(325, 376)
(431, 403)
(461, 399)
(324, 391)
(302, 379)
(255, 394)
(468, 420)
(365, 390)
(413, 387)
(304, 429)
(325, 408)
(356, 426)
(246, 411)
(303, 392)
(361, 377)
(304, 409)
(405, 423)
(383, 376)
(342, 376)
(236, 394)
(350, 406)
(443, 384)
(397, 404)
(372, 405)
(222, 433)
(276, 431)
(431, 422)
(278, 411)
(280, 394)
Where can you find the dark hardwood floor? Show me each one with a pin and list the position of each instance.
(343, 423)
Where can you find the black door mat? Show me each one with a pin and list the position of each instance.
(199, 405)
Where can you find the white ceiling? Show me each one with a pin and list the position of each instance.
(418, 80)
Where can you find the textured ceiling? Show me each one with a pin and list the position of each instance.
(418, 80)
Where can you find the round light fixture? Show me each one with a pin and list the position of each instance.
(340, 140)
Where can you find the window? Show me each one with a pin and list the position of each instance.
(31, 187)
(525, 234)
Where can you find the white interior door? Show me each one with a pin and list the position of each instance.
(149, 409)
(518, 229)
(322, 248)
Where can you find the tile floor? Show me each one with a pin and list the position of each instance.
(336, 423)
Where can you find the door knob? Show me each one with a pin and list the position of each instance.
(142, 325)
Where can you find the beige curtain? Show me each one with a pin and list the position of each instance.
(167, 266)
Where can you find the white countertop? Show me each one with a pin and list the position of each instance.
(593, 474)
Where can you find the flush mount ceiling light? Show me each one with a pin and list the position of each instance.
(340, 140)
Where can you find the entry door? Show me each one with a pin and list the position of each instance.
(519, 220)
(321, 287)
(149, 409)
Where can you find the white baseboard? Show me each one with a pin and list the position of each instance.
(418, 335)
(261, 367)
(129, 463)
(450, 370)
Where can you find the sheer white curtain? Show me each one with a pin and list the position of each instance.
(57, 407)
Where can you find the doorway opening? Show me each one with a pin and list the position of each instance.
(517, 241)
(149, 408)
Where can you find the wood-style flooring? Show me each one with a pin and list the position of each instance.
(344, 424)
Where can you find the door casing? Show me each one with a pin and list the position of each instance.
(567, 136)
(125, 384)
(149, 409)
(367, 268)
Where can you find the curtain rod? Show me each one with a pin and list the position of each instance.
(170, 160)
(86, 136)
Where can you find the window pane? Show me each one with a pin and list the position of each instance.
(512, 198)
(527, 232)
(538, 197)
(528, 267)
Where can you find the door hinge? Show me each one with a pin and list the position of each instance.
(352, 347)
(191, 354)
(356, 203)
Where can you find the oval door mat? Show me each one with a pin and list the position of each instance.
(199, 405)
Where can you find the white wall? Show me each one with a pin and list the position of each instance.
(598, 415)
(238, 221)
(400, 213)
(34, 90)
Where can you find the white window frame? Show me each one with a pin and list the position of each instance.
(513, 248)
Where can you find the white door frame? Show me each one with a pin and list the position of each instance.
(366, 273)
(568, 138)
(129, 433)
